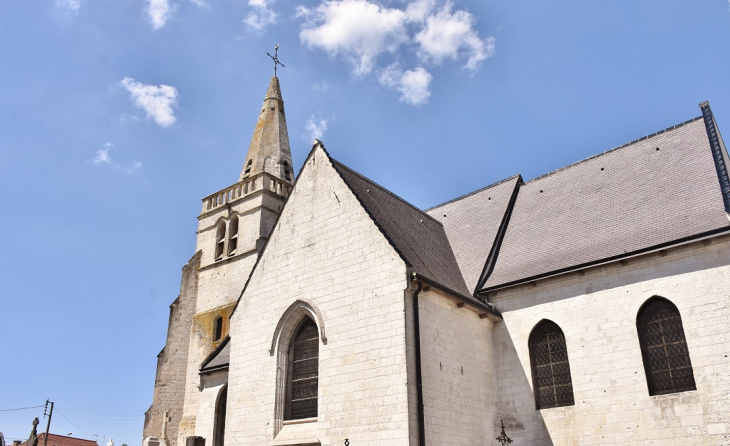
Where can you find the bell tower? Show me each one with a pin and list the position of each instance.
(233, 227)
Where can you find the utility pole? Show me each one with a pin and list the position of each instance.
(48, 426)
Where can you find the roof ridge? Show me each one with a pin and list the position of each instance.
(421, 211)
(497, 183)
(615, 149)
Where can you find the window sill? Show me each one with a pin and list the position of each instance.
(300, 421)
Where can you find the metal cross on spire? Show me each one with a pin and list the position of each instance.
(275, 58)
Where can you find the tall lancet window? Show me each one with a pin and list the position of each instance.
(303, 372)
(220, 240)
(664, 348)
(233, 235)
(553, 386)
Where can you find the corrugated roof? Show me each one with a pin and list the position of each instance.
(659, 189)
(472, 222)
(417, 237)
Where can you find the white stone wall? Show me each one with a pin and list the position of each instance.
(458, 372)
(205, 422)
(327, 251)
(168, 396)
(597, 312)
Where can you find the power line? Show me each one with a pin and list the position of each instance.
(69, 420)
(20, 408)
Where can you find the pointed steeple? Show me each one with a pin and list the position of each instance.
(269, 149)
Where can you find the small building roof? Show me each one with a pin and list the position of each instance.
(62, 440)
(219, 358)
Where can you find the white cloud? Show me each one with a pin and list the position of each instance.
(159, 11)
(357, 29)
(102, 157)
(413, 85)
(200, 3)
(321, 87)
(419, 10)
(73, 5)
(448, 35)
(260, 17)
(314, 128)
(156, 101)
(427, 32)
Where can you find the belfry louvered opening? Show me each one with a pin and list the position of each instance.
(551, 379)
(664, 348)
(303, 373)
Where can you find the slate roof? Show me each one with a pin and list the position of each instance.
(420, 240)
(219, 358)
(62, 440)
(472, 223)
(655, 191)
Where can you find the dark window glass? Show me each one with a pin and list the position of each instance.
(220, 240)
(664, 348)
(217, 328)
(219, 429)
(303, 375)
(550, 367)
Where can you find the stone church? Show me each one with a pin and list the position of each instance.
(588, 306)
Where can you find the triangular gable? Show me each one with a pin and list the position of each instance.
(419, 240)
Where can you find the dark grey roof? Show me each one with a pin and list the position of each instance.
(419, 239)
(657, 190)
(472, 223)
(219, 358)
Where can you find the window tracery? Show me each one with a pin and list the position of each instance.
(551, 378)
(664, 348)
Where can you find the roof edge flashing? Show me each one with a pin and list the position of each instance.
(719, 152)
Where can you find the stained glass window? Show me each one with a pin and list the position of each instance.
(664, 348)
(550, 368)
(303, 376)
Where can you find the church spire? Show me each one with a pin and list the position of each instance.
(269, 149)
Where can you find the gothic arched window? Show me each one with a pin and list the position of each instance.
(303, 372)
(664, 348)
(233, 235)
(220, 240)
(219, 428)
(550, 368)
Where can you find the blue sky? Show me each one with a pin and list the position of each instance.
(119, 115)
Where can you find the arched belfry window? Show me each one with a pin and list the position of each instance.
(233, 235)
(248, 168)
(551, 379)
(664, 348)
(286, 169)
(303, 372)
(220, 240)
